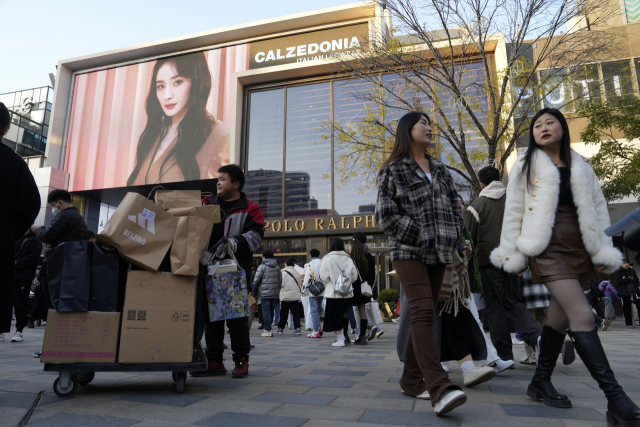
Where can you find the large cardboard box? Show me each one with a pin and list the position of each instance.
(158, 319)
(81, 337)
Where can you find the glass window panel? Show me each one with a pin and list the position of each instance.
(471, 81)
(49, 95)
(12, 133)
(586, 85)
(47, 116)
(45, 130)
(37, 116)
(355, 191)
(36, 95)
(43, 145)
(265, 147)
(308, 160)
(618, 79)
(558, 92)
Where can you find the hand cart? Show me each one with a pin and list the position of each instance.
(71, 375)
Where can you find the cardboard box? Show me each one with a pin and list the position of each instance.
(158, 319)
(81, 337)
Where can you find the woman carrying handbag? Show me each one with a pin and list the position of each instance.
(362, 291)
(555, 215)
(419, 209)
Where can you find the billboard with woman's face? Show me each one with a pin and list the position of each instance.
(154, 122)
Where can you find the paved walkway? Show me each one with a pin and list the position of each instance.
(297, 381)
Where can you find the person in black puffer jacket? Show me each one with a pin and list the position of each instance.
(67, 226)
(19, 208)
(28, 250)
(266, 287)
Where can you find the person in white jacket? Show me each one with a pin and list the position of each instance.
(312, 273)
(334, 264)
(290, 297)
(556, 215)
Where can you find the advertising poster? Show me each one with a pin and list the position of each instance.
(154, 122)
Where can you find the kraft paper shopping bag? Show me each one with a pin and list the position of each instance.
(193, 231)
(170, 199)
(140, 230)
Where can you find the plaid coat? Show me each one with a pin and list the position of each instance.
(422, 219)
(535, 295)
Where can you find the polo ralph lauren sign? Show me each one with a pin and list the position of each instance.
(308, 46)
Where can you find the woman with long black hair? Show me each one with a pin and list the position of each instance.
(555, 215)
(181, 140)
(356, 252)
(419, 209)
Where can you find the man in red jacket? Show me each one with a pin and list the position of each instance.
(243, 225)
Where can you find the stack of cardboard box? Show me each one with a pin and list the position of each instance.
(158, 318)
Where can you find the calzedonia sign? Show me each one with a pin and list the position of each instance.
(320, 224)
(308, 46)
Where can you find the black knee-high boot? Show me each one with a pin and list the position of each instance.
(345, 331)
(541, 387)
(621, 411)
(362, 340)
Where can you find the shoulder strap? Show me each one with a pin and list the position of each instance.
(294, 279)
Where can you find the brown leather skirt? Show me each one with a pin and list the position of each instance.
(566, 256)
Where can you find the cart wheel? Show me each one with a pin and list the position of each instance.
(85, 378)
(174, 376)
(65, 392)
(181, 378)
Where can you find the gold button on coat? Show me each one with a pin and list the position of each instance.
(530, 208)
(507, 258)
(534, 194)
(535, 180)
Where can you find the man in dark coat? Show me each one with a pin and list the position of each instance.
(243, 225)
(626, 283)
(28, 251)
(67, 226)
(18, 210)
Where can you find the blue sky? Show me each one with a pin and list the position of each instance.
(39, 33)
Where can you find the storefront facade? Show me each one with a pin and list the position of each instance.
(273, 97)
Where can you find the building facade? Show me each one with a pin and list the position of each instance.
(30, 115)
(270, 104)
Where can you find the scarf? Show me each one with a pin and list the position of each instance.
(455, 286)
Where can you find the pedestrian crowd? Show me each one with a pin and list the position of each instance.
(515, 259)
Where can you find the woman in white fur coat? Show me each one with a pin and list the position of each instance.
(554, 221)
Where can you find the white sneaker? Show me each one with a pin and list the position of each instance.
(1, 337)
(395, 320)
(266, 334)
(44, 323)
(424, 395)
(17, 337)
(449, 401)
(379, 333)
(446, 368)
(476, 375)
(516, 341)
(501, 365)
(338, 344)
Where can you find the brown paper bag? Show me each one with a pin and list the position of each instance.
(140, 230)
(170, 199)
(193, 231)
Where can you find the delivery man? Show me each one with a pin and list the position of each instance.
(243, 224)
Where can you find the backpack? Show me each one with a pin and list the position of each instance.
(342, 286)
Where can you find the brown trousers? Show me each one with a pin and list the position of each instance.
(422, 369)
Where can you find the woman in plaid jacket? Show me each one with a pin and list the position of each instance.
(418, 208)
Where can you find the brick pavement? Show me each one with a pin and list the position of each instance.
(297, 381)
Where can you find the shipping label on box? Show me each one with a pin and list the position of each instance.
(81, 337)
(159, 318)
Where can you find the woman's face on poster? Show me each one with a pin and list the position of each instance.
(173, 91)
